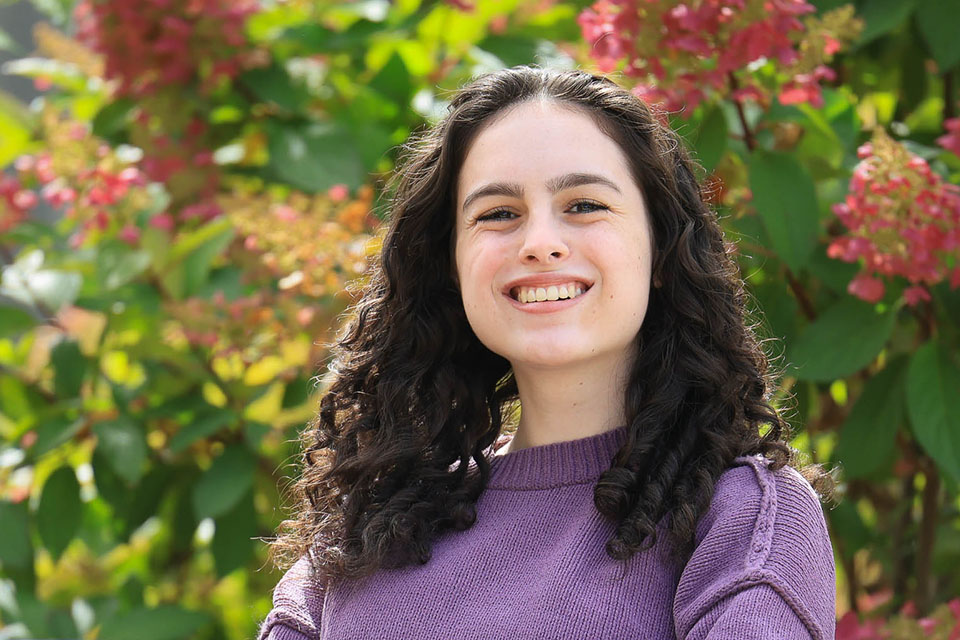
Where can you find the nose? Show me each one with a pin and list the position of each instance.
(542, 240)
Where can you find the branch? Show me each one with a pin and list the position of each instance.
(748, 137)
(930, 501)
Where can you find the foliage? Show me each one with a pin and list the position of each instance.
(189, 208)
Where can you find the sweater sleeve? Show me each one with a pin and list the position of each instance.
(297, 607)
(763, 564)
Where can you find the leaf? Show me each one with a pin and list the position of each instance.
(232, 542)
(15, 550)
(112, 119)
(54, 432)
(7, 43)
(201, 428)
(937, 20)
(314, 157)
(166, 622)
(274, 84)
(393, 81)
(14, 129)
(785, 198)
(69, 367)
(712, 139)
(933, 402)
(117, 265)
(25, 281)
(843, 340)
(197, 265)
(124, 445)
(224, 483)
(58, 516)
(867, 438)
(883, 16)
(14, 320)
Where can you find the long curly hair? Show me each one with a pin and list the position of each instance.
(399, 451)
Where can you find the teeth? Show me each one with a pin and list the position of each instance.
(553, 292)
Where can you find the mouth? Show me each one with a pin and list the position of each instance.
(563, 291)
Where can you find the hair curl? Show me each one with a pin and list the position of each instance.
(415, 395)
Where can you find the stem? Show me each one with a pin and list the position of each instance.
(930, 501)
(901, 558)
(748, 138)
(801, 294)
(949, 107)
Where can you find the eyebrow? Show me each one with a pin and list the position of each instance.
(554, 185)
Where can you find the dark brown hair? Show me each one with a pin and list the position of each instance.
(416, 397)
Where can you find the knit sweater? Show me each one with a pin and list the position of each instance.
(533, 565)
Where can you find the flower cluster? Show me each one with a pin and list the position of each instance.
(151, 44)
(902, 219)
(15, 202)
(681, 51)
(314, 245)
(943, 622)
(951, 139)
(89, 181)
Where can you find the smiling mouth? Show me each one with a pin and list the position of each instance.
(564, 291)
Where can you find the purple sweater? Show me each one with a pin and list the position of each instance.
(533, 566)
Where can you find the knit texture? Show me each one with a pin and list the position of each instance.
(533, 566)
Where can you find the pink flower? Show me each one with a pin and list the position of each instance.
(866, 288)
(338, 192)
(130, 234)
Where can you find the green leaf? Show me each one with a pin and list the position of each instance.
(883, 16)
(15, 550)
(124, 445)
(58, 516)
(69, 367)
(118, 264)
(933, 402)
(197, 265)
(274, 84)
(393, 81)
(201, 428)
(867, 438)
(14, 320)
(232, 544)
(166, 622)
(711, 140)
(7, 43)
(112, 119)
(15, 128)
(843, 340)
(53, 432)
(224, 483)
(937, 20)
(316, 156)
(785, 198)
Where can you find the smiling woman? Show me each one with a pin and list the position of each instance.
(549, 250)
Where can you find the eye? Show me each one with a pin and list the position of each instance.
(593, 206)
(496, 214)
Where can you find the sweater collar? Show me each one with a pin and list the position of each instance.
(577, 461)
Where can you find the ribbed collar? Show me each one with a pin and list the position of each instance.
(552, 465)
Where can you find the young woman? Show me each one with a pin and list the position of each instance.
(549, 256)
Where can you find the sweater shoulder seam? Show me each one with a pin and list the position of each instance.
(754, 578)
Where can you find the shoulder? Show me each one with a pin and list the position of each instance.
(297, 604)
(765, 530)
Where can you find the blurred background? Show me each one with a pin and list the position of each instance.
(191, 191)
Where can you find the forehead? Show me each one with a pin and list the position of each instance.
(535, 141)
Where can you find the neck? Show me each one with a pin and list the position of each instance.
(564, 404)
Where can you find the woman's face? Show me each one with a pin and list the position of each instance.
(547, 208)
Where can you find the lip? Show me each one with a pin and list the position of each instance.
(545, 280)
